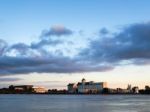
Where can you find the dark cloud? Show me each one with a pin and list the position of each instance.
(21, 48)
(45, 38)
(132, 44)
(14, 65)
(3, 46)
(9, 79)
(56, 31)
(104, 31)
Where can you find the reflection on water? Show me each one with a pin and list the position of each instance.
(74, 103)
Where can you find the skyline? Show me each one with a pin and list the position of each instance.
(52, 43)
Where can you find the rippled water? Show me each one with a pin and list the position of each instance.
(74, 103)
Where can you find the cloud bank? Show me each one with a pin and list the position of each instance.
(9, 79)
(130, 45)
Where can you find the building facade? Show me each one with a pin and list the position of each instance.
(21, 88)
(90, 87)
(72, 88)
(40, 90)
(87, 87)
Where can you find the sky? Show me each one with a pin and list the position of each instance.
(51, 43)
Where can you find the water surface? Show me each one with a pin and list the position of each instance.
(74, 103)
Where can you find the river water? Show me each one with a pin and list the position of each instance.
(74, 103)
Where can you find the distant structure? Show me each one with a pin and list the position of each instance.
(135, 90)
(27, 89)
(39, 90)
(86, 87)
(23, 88)
(72, 88)
(129, 88)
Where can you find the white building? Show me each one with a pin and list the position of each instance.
(87, 87)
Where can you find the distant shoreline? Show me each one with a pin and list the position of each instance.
(63, 94)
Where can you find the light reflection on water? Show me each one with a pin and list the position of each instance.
(74, 103)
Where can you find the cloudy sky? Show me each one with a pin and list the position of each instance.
(53, 42)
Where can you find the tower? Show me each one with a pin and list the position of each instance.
(83, 80)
